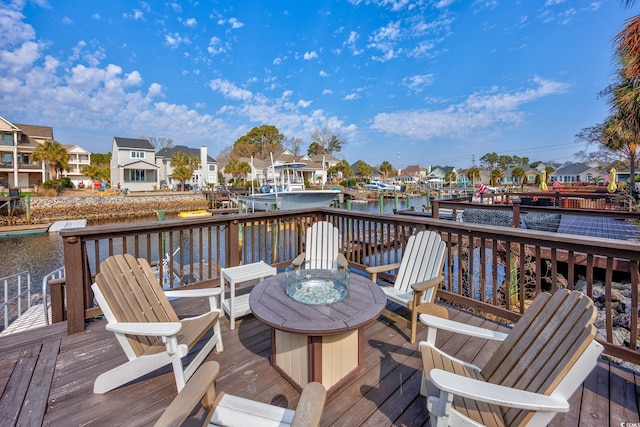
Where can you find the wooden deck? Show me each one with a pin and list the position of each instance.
(46, 378)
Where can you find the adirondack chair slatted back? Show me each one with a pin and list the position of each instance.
(322, 245)
(543, 345)
(133, 294)
(422, 259)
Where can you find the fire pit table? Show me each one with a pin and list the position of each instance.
(312, 341)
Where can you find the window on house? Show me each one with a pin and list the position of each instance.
(6, 139)
(137, 154)
(7, 158)
(25, 158)
(136, 175)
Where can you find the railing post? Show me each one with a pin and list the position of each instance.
(516, 214)
(73, 263)
(233, 244)
(557, 201)
(435, 208)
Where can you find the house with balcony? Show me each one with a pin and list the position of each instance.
(78, 159)
(206, 174)
(133, 164)
(17, 144)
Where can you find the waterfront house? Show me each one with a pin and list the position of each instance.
(206, 174)
(133, 164)
(17, 144)
(575, 173)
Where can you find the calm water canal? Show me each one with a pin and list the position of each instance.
(40, 254)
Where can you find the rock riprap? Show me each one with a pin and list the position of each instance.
(50, 209)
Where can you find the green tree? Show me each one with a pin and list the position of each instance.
(496, 174)
(314, 148)
(183, 166)
(473, 173)
(450, 177)
(386, 168)
(325, 141)
(341, 167)
(364, 169)
(54, 154)
(489, 160)
(505, 162)
(244, 169)
(259, 142)
(519, 174)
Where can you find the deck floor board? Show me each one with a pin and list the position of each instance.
(386, 392)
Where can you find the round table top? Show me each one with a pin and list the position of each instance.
(270, 304)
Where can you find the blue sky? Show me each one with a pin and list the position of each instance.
(411, 82)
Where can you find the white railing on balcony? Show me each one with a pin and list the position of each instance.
(15, 298)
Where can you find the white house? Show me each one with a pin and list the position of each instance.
(133, 164)
(205, 175)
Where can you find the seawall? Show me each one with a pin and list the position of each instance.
(49, 209)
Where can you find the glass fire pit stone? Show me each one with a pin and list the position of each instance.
(316, 286)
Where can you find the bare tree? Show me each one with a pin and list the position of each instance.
(293, 144)
(159, 142)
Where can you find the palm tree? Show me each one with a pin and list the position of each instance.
(618, 136)
(184, 164)
(54, 154)
(244, 168)
(385, 168)
(450, 177)
(496, 174)
(628, 46)
(473, 173)
(519, 174)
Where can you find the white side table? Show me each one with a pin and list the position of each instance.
(239, 306)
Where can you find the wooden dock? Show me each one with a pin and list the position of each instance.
(46, 378)
(63, 225)
(21, 230)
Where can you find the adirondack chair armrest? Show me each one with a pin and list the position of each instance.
(427, 284)
(297, 261)
(482, 391)
(373, 271)
(342, 261)
(194, 293)
(310, 406)
(461, 328)
(194, 391)
(156, 329)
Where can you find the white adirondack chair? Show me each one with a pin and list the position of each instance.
(418, 277)
(146, 326)
(527, 380)
(322, 248)
(232, 411)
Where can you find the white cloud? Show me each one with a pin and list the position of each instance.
(310, 55)
(96, 16)
(230, 90)
(418, 82)
(191, 23)
(174, 40)
(137, 15)
(304, 104)
(67, 21)
(351, 97)
(479, 113)
(21, 58)
(215, 46)
(323, 73)
(154, 90)
(234, 23)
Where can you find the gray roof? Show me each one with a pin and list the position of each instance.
(572, 169)
(141, 144)
(167, 152)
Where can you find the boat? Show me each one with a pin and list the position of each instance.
(201, 213)
(376, 185)
(287, 191)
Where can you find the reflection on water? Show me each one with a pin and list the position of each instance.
(38, 254)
